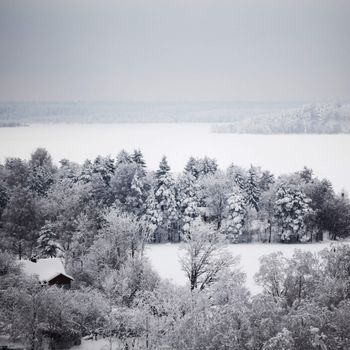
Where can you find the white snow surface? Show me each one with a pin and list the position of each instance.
(164, 258)
(327, 155)
(45, 269)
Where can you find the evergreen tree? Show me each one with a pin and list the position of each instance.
(292, 207)
(165, 196)
(236, 216)
(136, 196)
(41, 171)
(163, 170)
(105, 167)
(192, 167)
(188, 201)
(266, 180)
(306, 174)
(87, 171)
(252, 188)
(123, 157)
(47, 242)
(237, 174)
(137, 157)
(208, 166)
(153, 216)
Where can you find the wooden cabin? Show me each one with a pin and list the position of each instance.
(50, 271)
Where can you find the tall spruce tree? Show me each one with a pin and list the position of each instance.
(48, 245)
(252, 188)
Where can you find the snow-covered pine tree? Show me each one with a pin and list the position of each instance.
(47, 244)
(136, 196)
(292, 207)
(165, 195)
(266, 180)
(187, 200)
(252, 188)
(123, 157)
(236, 216)
(192, 167)
(86, 171)
(152, 216)
(208, 166)
(237, 174)
(105, 167)
(163, 169)
(137, 157)
(306, 174)
(41, 171)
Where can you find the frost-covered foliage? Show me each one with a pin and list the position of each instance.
(204, 258)
(236, 216)
(305, 303)
(292, 207)
(74, 198)
(48, 245)
(187, 197)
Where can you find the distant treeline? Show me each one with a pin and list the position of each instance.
(310, 119)
(10, 124)
(135, 112)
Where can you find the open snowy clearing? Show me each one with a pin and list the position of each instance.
(327, 155)
(165, 258)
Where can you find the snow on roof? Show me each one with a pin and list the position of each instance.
(45, 269)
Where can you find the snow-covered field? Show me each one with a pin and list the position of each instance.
(165, 258)
(328, 155)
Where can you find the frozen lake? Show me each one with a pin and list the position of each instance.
(328, 155)
(165, 258)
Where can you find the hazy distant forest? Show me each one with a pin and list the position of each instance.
(99, 215)
(249, 118)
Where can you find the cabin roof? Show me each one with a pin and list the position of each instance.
(45, 269)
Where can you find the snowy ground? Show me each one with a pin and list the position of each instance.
(327, 155)
(165, 258)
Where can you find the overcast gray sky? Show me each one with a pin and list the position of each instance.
(174, 50)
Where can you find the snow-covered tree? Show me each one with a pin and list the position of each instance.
(41, 171)
(86, 171)
(252, 188)
(136, 196)
(238, 175)
(208, 166)
(165, 194)
(192, 167)
(152, 215)
(213, 194)
(292, 207)
(105, 167)
(123, 157)
(201, 166)
(282, 341)
(48, 245)
(137, 157)
(236, 216)
(187, 200)
(204, 258)
(266, 180)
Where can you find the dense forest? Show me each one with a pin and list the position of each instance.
(42, 204)
(309, 119)
(98, 216)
